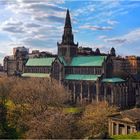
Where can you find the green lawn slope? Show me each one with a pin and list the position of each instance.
(130, 136)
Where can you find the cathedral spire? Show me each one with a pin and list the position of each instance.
(68, 20)
(67, 38)
(67, 48)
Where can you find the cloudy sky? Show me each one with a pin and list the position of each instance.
(38, 24)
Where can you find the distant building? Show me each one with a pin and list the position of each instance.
(134, 64)
(129, 64)
(85, 51)
(15, 64)
(125, 122)
(20, 51)
(38, 54)
(34, 54)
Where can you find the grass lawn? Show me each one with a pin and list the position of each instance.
(73, 110)
(130, 136)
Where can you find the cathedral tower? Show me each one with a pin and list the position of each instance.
(67, 48)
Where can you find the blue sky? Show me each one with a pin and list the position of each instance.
(38, 24)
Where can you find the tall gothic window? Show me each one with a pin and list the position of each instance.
(85, 89)
(93, 91)
(56, 71)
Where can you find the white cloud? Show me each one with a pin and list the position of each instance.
(133, 35)
(6, 48)
(126, 44)
(130, 37)
(34, 23)
(102, 37)
(112, 22)
(116, 40)
(85, 10)
(90, 27)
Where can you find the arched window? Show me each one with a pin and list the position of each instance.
(85, 89)
(92, 89)
(56, 71)
(77, 89)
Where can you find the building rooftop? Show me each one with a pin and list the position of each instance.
(40, 61)
(35, 75)
(82, 77)
(85, 60)
(113, 80)
(132, 115)
(88, 61)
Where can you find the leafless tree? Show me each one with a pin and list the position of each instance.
(94, 120)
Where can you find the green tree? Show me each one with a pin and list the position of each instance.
(5, 130)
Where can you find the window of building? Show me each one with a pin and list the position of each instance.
(56, 71)
(85, 90)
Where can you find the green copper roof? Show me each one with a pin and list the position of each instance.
(85, 61)
(40, 61)
(35, 75)
(88, 61)
(82, 77)
(113, 80)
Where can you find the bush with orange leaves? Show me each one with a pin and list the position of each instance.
(36, 107)
(94, 121)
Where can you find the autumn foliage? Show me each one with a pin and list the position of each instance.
(37, 108)
(94, 121)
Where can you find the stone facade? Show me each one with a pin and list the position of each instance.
(14, 65)
(89, 76)
(129, 64)
(125, 122)
(80, 79)
(41, 65)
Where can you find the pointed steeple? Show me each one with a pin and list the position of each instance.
(68, 20)
(67, 48)
(67, 38)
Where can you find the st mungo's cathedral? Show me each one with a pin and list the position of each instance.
(90, 78)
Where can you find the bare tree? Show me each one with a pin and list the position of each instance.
(52, 124)
(38, 109)
(94, 120)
